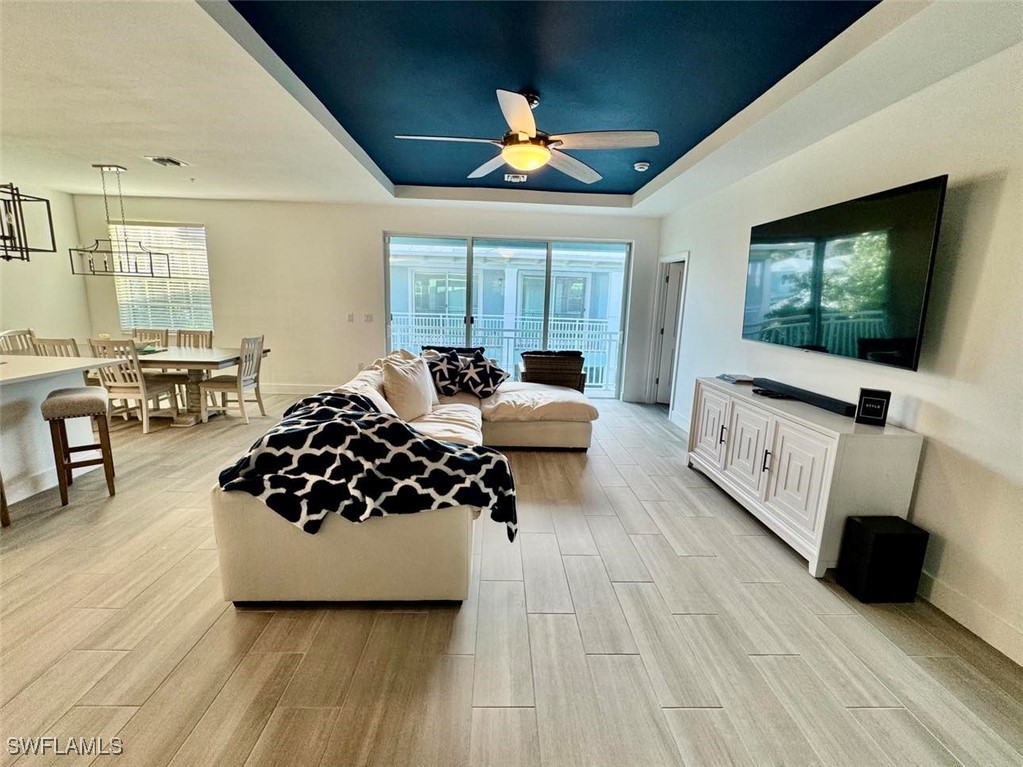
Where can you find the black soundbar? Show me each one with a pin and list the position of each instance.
(809, 397)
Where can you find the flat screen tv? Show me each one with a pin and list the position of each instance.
(850, 279)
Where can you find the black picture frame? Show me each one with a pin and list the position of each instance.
(872, 407)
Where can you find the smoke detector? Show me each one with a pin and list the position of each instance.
(642, 166)
(516, 178)
(167, 162)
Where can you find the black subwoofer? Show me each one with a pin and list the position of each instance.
(881, 559)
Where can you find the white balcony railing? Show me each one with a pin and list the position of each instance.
(839, 332)
(506, 338)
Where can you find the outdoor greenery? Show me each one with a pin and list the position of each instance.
(854, 277)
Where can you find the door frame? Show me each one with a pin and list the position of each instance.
(470, 240)
(660, 297)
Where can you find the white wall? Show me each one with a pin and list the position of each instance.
(967, 397)
(293, 271)
(43, 294)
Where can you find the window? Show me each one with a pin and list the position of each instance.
(569, 296)
(436, 293)
(181, 302)
(533, 291)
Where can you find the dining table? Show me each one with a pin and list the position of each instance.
(197, 362)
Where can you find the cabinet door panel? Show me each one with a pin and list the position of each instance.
(711, 407)
(746, 439)
(797, 466)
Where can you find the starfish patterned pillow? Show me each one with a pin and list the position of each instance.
(480, 376)
(444, 368)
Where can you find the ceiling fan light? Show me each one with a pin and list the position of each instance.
(526, 156)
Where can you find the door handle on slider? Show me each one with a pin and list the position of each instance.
(764, 467)
(721, 434)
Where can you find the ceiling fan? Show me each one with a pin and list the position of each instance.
(525, 148)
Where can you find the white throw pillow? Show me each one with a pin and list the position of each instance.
(409, 388)
(402, 356)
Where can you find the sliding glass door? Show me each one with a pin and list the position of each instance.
(508, 300)
(428, 292)
(587, 307)
(521, 295)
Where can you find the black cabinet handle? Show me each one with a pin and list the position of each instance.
(721, 434)
(767, 454)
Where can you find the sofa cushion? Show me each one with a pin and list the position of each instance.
(445, 367)
(370, 384)
(480, 376)
(517, 401)
(452, 423)
(460, 398)
(408, 387)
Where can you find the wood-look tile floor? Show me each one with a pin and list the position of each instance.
(641, 618)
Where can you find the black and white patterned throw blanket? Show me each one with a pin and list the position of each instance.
(337, 453)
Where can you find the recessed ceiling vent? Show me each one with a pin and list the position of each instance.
(516, 178)
(167, 162)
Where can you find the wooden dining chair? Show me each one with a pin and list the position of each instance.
(196, 339)
(17, 341)
(56, 347)
(160, 336)
(126, 381)
(247, 379)
(64, 347)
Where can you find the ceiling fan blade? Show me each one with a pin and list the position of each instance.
(488, 167)
(608, 139)
(461, 139)
(517, 112)
(570, 166)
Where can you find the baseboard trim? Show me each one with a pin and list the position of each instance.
(25, 486)
(1004, 637)
(680, 421)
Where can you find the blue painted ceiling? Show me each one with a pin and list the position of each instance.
(679, 68)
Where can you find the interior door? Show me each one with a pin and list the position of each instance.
(711, 408)
(745, 438)
(796, 464)
(669, 330)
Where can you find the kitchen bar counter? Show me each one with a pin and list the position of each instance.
(26, 452)
(17, 368)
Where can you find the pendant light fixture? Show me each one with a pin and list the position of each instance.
(117, 257)
(14, 232)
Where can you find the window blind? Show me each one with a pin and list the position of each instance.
(181, 302)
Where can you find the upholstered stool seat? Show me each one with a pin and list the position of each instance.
(78, 402)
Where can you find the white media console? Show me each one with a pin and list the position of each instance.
(799, 469)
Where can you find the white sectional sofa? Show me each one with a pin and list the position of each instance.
(427, 556)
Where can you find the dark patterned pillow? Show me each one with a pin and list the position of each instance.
(480, 376)
(444, 368)
(465, 351)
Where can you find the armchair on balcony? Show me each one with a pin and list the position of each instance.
(562, 368)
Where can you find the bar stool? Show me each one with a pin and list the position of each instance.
(5, 516)
(79, 402)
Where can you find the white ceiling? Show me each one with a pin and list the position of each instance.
(87, 82)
